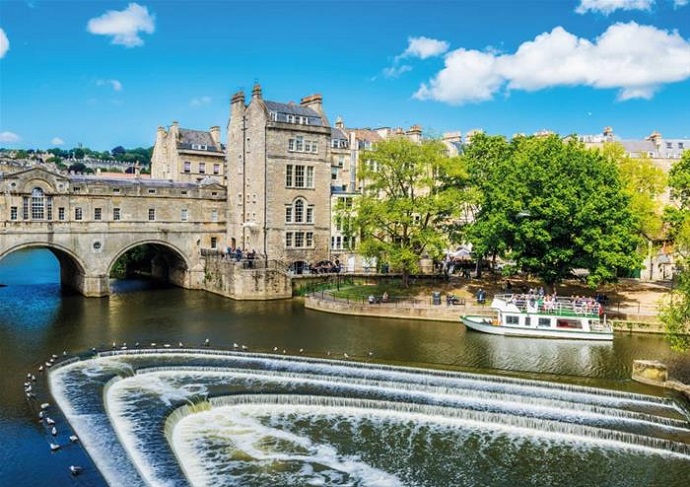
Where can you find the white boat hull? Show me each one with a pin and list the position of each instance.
(484, 325)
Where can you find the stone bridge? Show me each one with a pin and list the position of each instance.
(88, 223)
(87, 257)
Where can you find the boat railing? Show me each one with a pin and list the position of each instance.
(558, 305)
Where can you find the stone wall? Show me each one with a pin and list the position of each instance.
(244, 280)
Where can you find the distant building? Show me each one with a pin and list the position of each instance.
(189, 156)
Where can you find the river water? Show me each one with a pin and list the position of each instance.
(37, 320)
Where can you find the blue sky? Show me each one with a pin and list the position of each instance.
(107, 73)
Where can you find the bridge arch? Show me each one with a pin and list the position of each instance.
(72, 268)
(171, 264)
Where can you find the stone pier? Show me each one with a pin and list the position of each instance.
(655, 373)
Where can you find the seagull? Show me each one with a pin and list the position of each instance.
(54, 447)
(114, 344)
(40, 368)
(371, 354)
(284, 351)
(235, 345)
(75, 469)
(207, 342)
(153, 344)
(48, 364)
(41, 414)
(73, 438)
(167, 345)
(301, 350)
(53, 431)
(346, 355)
(64, 353)
(33, 378)
(45, 405)
(180, 345)
(136, 344)
(49, 421)
(275, 349)
(244, 347)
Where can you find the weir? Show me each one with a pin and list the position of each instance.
(163, 402)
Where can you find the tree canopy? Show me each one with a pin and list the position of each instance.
(551, 206)
(675, 313)
(403, 211)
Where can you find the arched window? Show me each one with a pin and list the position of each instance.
(38, 204)
(299, 211)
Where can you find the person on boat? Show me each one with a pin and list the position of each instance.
(384, 298)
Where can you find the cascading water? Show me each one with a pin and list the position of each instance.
(188, 417)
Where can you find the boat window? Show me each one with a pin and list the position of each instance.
(512, 320)
(527, 321)
(566, 323)
(544, 322)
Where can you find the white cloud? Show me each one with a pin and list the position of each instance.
(680, 3)
(423, 47)
(199, 101)
(57, 141)
(9, 137)
(608, 6)
(124, 25)
(4, 43)
(417, 47)
(396, 71)
(117, 86)
(636, 59)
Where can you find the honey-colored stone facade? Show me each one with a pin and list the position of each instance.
(279, 171)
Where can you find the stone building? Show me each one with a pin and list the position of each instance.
(278, 173)
(188, 155)
(38, 195)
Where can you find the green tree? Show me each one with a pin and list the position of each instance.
(401, 213)
(675, 313)
(552, 206)
(678, 215)
(118, 151)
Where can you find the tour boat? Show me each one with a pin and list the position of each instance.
(544, 317)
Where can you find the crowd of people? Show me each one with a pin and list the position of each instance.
(536, 300)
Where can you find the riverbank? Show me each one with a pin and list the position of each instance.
(426, 310)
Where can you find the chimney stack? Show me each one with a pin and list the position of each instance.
(215, 135)
(256, 91)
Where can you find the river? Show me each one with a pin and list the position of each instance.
(37, 320)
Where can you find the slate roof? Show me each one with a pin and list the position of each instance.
(638, 146)
(189, 137)
(284, 109)
(337, 133)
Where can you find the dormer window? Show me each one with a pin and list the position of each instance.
(199, 146)
(274, 116)
(290, 118)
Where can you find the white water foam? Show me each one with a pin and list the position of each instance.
(176, 384)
